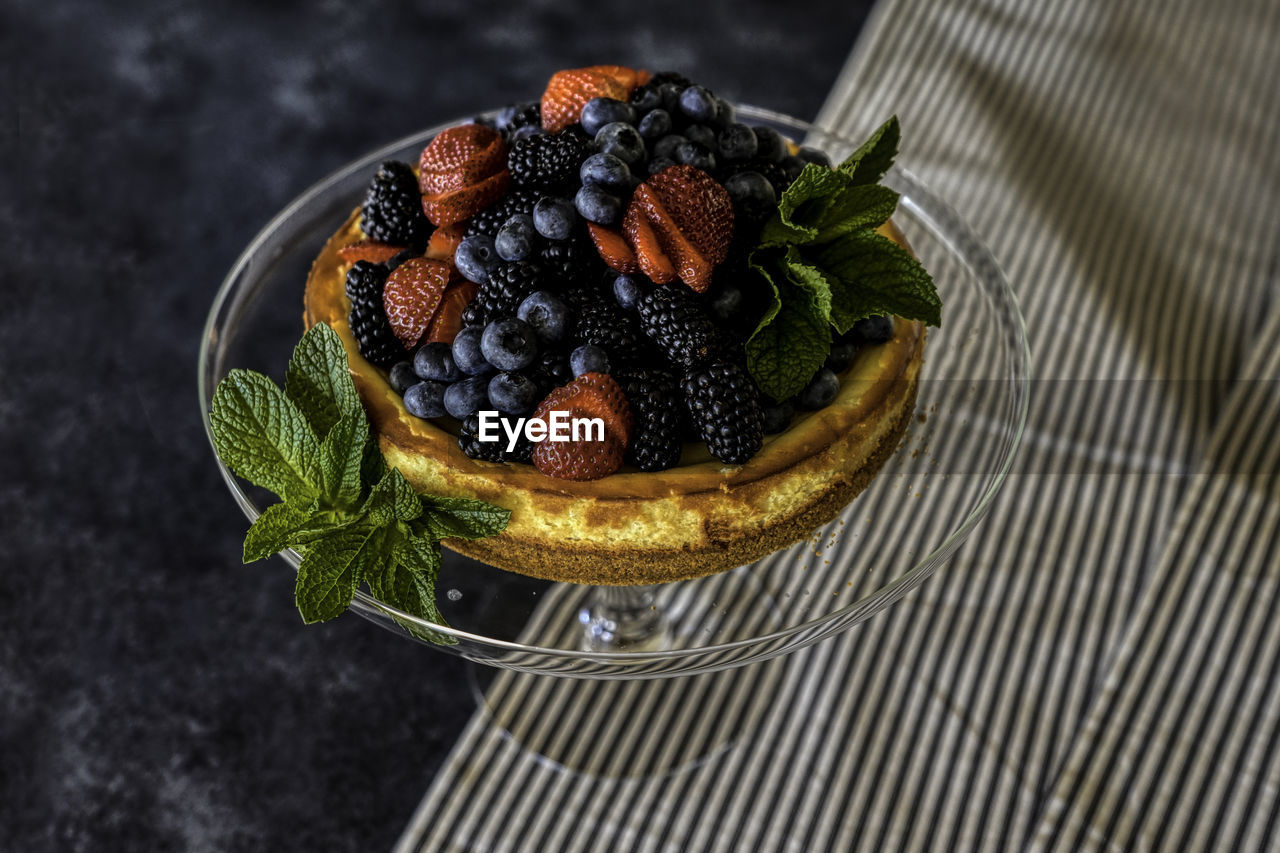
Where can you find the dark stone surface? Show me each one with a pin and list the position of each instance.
(155, 694)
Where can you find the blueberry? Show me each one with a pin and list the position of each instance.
(598, 112)
(820, 391)
(426, 399)
(725, 113)
(626, 289)
(701, 134)
(670, 93)
(727, 302)
(588, 358)
(751, 190)
(792, 166)
(667, 145)
(513, 393)
(655, 125)
(402, 376)
(657, 164)
(698, 104)
(546, 313)
(554, 218)
(435, 361)
(621, 140)
(605, 170)
(871, 330)
(598, 206)
(527, 131)
(769, 144)
(778, 417)
(646, 99)
(466, 396)
(466, 351)
(813, 155)
(693, 154)
(515, 238)
(476, 257)
(509, 344)
(841, 356)
(737, 142)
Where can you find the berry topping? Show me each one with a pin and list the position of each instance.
(460, 157)
(598, 112)
(516, 239)
(549, 162)
(516, 116)
(592, 395)
(444, 241)
(466, 396)
(675, 320)
(724, 406)
(509, 344)
(448, 320)
(476, 257)
(871, 330)
(820, 391)
(412, 294)
(622, 141)
(626, 290)
(392, 210)
(554, 218)
(568, 91)
(607, 171)
(466, 352)
(546, 313)
(602, 323)
(435, 361)
(468, 440)
(447, 208)
(598, 205)
(613, 249)
(588, 358)
(368, 319)
(369, 250)
(500, 297)
(513, 392)
(657, 408)
(426, 399)
(402, 377)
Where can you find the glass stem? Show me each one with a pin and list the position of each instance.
(622, 618)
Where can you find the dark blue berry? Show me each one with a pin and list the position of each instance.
(435, 361)
(509, 344)
(598, 112)
(476, 257)
(725, 113)
(402, 376)
(626, 289)
(820, 391)
(655, 125)
(813, 155)
(737, 142)
(513, 393)
(466, 351)
(871, 330)
(778, 417)
(622, 141)
(516, 238)
(693, 154)
(588, 358)
(426, 399)
(769, 144)
(670, 93)
(646, 98)
(701, 134)
(657, 164)
(466, 396)
(792, 166)
(527, 131)
(698, 104)
(546, 313)
(598, 206)
(841, 356)
(554, 218)
(667, 145)
(605, 170)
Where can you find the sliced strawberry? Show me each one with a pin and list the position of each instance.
(567, 91)
(448, 208)
(459, 157)
(591, 395)
(412, 294)
(613, 249)
(447, 322)
(598, 396)
(651, 255)
(578, 460)
(444, 241)
(700, 207)
(369, 250)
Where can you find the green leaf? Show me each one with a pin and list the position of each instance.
(392, 499)
(261, 435)
(270, 533)
(461, 518)
(801, 206)
(811, 281)
(318, 380)
(877, 276)
(410, 585)
(873, 158)
(856, 208)
(332, 569)
(342, 454)
(768, 263)
(784, 355)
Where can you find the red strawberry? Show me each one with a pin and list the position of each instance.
(693, 218)
(368, 250)
(459, 157)
(591, 395)
(448, 320)
(651, 255)
(613, 249)
(448, 208)
(444, 240)
(567, 91)
(412, 295)
(578, 460)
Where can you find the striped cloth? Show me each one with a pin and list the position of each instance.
(1099, 666)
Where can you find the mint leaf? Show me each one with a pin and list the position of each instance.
(341, 455)
(856, 208)
(261, 435)
(392, 499)
(801, 205)
(409, 585)
(271, 532)
(784, 355)
(318, 381)
(461, 518)
(331, 571)
(877, 276)
(768, 263)
(873, 158)
(811, 281)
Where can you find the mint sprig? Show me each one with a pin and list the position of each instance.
(825, 267)
(354, 520)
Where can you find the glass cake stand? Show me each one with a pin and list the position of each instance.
(927, 500)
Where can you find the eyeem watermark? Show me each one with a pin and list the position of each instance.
(560, 427)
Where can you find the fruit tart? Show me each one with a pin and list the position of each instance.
(668, 342)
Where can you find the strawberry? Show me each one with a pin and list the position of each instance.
(369, 250)
(613, 249)
(412, 294)
(591, 395)
(578, 460)
(651, 255)
(448, 208)
(447, 322)
(698, 223)
(460, 157)
(567, 91)
(444, 240)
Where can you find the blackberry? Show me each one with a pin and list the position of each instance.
(602, 323)
(493, 217)
(365, 281)
(674, 319)
(657, 436)
(517, 116)
(547, 162)
(368, 319)
(724, 404)
(570, 261)
(498, 298)
(489, 451)
(392, 211)
(522, 453)
(551, 370)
